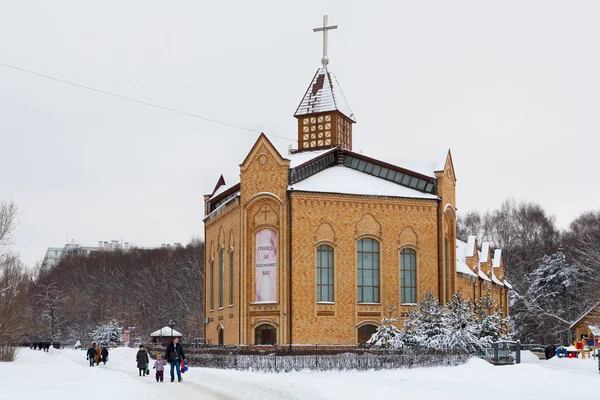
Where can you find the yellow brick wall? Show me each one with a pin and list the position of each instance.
(341, 220)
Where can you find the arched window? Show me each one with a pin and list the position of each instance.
(231, 271)
(221, 278)
(368, 271)
(365, 332)
(325, 273)
(265, 334)
(211, 283)
(408, 276)
(221, 336)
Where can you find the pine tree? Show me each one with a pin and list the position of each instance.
(488, 323)
(432, 317)
(387, 335)
(412, 331)
(460, 327)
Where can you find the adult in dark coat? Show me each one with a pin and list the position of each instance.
(104, 354)
(142, 360)
(91, 352)
(174, 354)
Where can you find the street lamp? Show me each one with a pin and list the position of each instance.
(171, 324)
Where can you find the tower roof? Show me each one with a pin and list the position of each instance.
(324, 94)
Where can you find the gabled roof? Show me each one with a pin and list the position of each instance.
(471, 246)
(324, 94)
(165, 331)
(461, 259)
(485, 252)
(584, 314)
(497, 258)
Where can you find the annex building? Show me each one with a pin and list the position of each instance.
(313, 245)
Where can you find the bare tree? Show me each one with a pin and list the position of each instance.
(8, 216)
(471, 223)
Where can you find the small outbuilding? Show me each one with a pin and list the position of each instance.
(165, 335)
(588, 325)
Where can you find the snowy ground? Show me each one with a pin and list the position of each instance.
(64, 374)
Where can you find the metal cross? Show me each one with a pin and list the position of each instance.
(324, 29)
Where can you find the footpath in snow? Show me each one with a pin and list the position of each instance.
(65, 374)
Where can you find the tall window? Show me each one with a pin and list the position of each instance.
(408, 275)
(231, 267)
(324, 273)
(447, 270)
(368, 271)
(212, 284)
(221, 278)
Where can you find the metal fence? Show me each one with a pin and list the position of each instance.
(316, 357)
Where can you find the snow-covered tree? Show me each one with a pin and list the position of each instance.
(412, 331)
(109, 333)
(432, 321)
(489, 325)
(387, 335)
(460, 327)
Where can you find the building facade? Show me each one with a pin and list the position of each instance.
(313, 245)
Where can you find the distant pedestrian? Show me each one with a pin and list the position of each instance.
(104, 354)
(40, 345)
(174, 353)
(46, 346)
(91, 353)
(35, 346)
(142, 360)
(98, 355)
(159, 365)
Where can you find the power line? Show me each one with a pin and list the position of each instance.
(141, 101)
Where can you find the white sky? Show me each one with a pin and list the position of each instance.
(512, 88)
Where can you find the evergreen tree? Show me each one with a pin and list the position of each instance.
(489, 325)
(432, 321)
(109, 333)
(460, 327)
(387, 335)
(412, 331)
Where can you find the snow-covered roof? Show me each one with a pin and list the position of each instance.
(471, 246)
(508, 285)
(497, 258)
(496, 280)
(594, 329)
(302, 157)
(484, 276)
(584, 314)
(463, 268)
(461, 260)
(324, 94)
(485, 252)
(165, 331)
(340, 179)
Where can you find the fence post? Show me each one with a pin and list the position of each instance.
(275, 357)
(316, 356)
(518, 352)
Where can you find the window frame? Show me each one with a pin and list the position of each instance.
(221, 278)
(413, 272)
(212, 284)
(375, 271)
(231, 277)
(329, 271)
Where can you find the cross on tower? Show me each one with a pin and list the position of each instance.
(324, 29)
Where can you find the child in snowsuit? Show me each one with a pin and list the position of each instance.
(159, 365)
(142, 360)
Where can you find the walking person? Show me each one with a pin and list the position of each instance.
(35, 346)
(159, 365)
(104, 354)
(142, 360)
(98, 355)
(174, 353)
(91, 352)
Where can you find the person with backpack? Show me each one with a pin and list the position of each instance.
(142, 360)
(175, 355)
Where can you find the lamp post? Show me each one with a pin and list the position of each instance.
(171, 324)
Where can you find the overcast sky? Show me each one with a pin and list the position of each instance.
(512, 88)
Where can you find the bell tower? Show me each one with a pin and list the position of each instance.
(324, 116)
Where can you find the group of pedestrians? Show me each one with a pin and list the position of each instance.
(45, 346)
(95, 354)
(173, 355)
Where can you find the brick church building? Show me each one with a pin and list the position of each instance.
(311, 246)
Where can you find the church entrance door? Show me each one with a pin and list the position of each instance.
(265, 334)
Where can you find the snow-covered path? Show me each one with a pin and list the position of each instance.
(64, 374)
